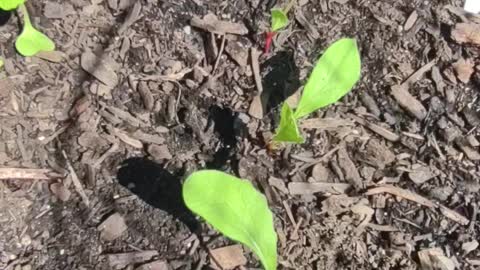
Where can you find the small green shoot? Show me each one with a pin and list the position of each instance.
(1, 63)
(333, 77)
(236, 209)
(10, 4)
(279, 19)
(31, 41)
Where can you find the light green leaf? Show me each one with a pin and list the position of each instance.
(10, 4)
(236, 209)
(288, 131)
(279, 19)
(1, 62)
(31, 41)
(333, 77)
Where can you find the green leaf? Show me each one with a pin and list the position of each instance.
(1, 62)
(288, 131)
(10, 4)
(31, 41)
(333, 77)
(236, 209)
(279, 19)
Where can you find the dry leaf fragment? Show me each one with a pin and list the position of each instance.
(464, 69)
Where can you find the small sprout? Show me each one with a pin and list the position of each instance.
(279, 19)
(31, 41)
(10, 4)
(1, 63)
(236, 209)
(333, 77)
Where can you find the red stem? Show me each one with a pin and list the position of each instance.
(268, 41)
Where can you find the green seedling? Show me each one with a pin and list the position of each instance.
(30, 41)
(1, 63)
(333, 77)
(279, 20)
(236, 209)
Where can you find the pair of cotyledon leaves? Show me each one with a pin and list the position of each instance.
(30, 41)
(233, 206)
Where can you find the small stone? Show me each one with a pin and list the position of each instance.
(60, 191)
(228, 257)
(469, 246)
(113, 227)
(321, 173)
(421, 174)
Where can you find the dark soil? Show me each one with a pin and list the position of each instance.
(162, 108)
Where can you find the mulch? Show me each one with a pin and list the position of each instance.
(97, 137)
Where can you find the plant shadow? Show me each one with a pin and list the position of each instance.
(157, 187)
(280, 79)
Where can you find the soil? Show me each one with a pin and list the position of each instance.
(136, 98)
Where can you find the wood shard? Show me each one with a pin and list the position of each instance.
(434, 259)
(212, 24)
(408, 195)
(229, 257)
(411, 20)
(121, 260)
(349, 169)
(303, 188)
(156, 265)
(23, 173)
(325, 123)
(100, 68)
(467, 33)
(408, 102)
(464, 69)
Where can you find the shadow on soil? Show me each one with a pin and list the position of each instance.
(157, 187)
(281, 79)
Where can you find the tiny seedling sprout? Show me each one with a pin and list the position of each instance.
(30, 41)
(333, 77)
(236, 209)
(279, 20)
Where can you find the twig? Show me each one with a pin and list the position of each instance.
(76, 182)
(23, 173)
(219, 55)
(399, 192)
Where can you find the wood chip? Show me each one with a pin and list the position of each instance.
(100, 68)
(121, 260)
(211, 24)
(325, 123)
(470, 152)
(410, 21)
(408, 102)
(228, 257)
(147, 96)
(434, 259)
(148, 138)
(421, 174)
(53, 56)
(349, 169)
(385, 133)
(256, 107)
(159, 152)
(238, 52)
(24, 173)
(464, 69)
(408, 195)
(113, 227)
(278, 184)
(469, 246)
(76, 182)
(132, 16)
(156, 265)
(124, 137)
(302, 188)
(60, 191)
(467, 33)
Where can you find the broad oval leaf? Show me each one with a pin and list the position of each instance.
(279, 19)
(288, 130)
(10, 4)
(333, 77)
(31, 41)
(236, 209)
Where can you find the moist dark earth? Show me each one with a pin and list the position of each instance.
(136, 98)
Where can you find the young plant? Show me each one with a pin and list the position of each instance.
(236, 209)
(333, 77)
(30, 41)
(279, 20)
